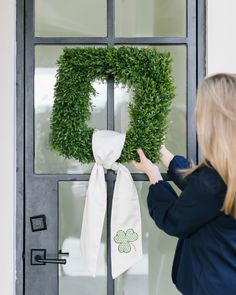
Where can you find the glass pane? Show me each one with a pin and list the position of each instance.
(73, 279)
(152, 275)
(71, 18)
(47, 160)
(176, 136)
(150, 18)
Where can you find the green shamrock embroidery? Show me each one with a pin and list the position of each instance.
(125, 240)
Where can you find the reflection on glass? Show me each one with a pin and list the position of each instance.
(152, 275)
(71, 18)
(47, 160)
(122, 97)
(176, 136)
(150, 18)
(73, 276)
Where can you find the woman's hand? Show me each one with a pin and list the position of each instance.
(166, 156)
(146, 166)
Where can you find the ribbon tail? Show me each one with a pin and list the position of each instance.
(125, 220)
(93, 218)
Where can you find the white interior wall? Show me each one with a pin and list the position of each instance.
(221, 40)
(221, 47)
(7, 154)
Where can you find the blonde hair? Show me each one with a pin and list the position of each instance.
(215, 115)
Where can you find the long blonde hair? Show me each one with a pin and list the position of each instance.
(215, 115)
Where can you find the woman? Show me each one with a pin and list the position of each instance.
(203, 217)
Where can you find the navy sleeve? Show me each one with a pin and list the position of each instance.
(197, 205)
(177, 163)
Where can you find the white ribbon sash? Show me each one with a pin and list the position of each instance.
(126, 234)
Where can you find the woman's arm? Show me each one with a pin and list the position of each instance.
(174, 165)
(197, 205)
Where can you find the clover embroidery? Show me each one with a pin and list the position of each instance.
(125, 239)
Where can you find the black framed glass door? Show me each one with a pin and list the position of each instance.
(54, 187)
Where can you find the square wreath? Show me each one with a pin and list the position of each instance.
(145, 71)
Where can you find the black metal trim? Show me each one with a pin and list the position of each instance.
(58, 222)
(20, 145)
(110, 40)
(86, 176)
(201, 50)
(201, 40)
(110, 179)
(191, 79)
(110, 21)
(29, 89)
(110, 175)
(110, 104)
(152, 40)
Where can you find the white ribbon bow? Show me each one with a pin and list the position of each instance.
(126, 234)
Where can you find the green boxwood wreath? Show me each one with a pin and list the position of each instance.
(143, 70)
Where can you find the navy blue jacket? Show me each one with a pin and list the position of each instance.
(205, 257)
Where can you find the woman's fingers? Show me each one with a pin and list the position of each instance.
(140, 165)
(141, 154)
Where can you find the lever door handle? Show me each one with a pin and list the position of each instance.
(39, 257)
(63, 253)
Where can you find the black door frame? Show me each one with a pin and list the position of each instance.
(195, 43)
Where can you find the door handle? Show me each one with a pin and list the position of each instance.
(63, 253)
(39, 257)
